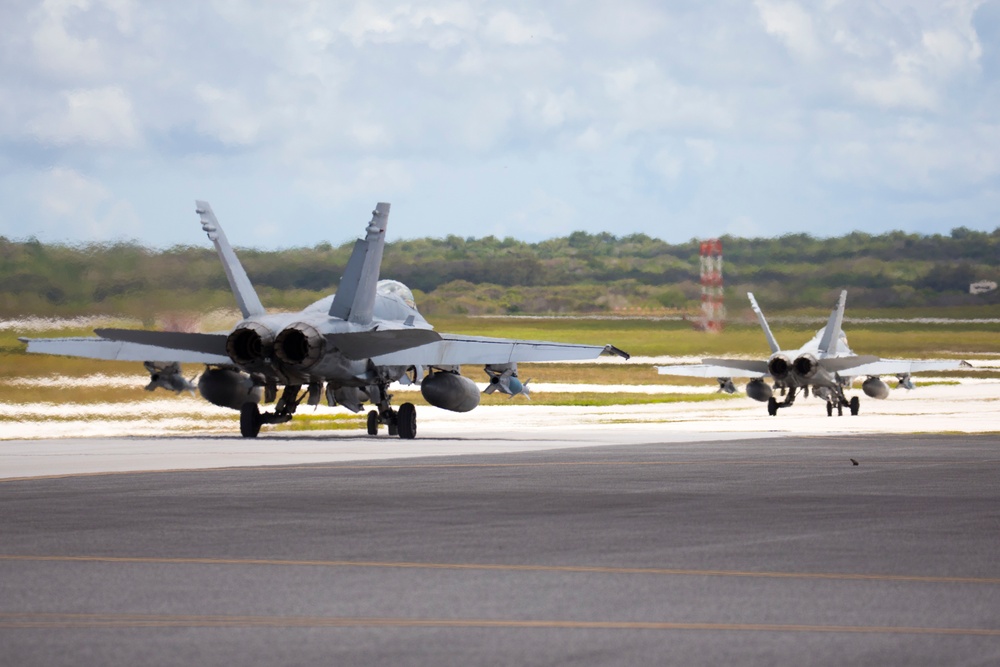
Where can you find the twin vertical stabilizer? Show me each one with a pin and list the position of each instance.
(831, 333)
(243, 290)
(763, 324)
(355, 298)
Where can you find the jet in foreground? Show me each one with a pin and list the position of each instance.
(825, 364)
(348, 347)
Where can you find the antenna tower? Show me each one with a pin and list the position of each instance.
(712, 311)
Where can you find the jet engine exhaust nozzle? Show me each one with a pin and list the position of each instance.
(806, 366)
(249, 343)
(779, 366)
(300, 344)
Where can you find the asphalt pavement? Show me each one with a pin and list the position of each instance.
(706, 552)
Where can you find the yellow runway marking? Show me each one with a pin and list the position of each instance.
(69, 621)
(496, 567)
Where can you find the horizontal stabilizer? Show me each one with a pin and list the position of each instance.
(841, 364)
(367, 344)
(118, 350)
(748, 365)
(456, 350)
(174, 340)
(709, 371)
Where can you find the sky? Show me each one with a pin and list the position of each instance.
(682, 119)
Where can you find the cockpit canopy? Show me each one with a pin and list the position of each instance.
(390, 287)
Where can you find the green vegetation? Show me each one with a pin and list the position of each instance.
(581, 273)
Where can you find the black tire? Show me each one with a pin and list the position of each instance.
(772, 406)
(829, 409)
(250, 420)
(373, 422)
(855, 406)
(406, 421)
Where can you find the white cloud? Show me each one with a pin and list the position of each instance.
(506, 27)
(227, 116)
(792, 25)
(717, 111)
(99, 117)
(540, 211)
(67, 200)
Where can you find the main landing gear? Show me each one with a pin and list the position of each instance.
(402, 422)
(251, 418)
(835, 400)
(773, 404)
(840, 402)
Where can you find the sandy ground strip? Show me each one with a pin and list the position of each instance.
(188, 433)
(972, 406)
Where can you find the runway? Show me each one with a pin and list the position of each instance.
(644, 546)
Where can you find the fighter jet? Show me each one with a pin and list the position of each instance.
(348, 347)
(825, 364)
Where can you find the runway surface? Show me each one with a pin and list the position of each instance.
(642, 547)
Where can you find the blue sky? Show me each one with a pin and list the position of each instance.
(681, 119)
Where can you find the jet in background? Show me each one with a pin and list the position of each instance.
(825, 364)
(348, 347)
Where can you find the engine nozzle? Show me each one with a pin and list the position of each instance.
(250, 343)
(300, 344)
(806, 366)
(779, 366)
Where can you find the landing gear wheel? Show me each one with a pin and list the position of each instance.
(250, 420)
(373, 422)
(829, 409)
(772, 406)
(855, 405)
(407, 421)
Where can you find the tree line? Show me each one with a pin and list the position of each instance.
(580, 273)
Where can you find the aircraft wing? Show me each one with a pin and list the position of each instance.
(718, 368)
(119, 350)
(904, 367)
(457, 350)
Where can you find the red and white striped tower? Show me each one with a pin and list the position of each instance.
(712, 310)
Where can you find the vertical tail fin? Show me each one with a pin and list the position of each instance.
(242, 288)
(831, 333)
(355, 298)
(763, 324)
